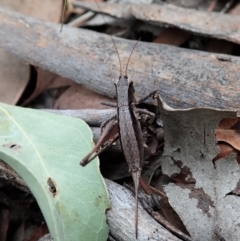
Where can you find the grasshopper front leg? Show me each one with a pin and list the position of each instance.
(109, 135)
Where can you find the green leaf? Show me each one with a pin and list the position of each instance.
(45, 149)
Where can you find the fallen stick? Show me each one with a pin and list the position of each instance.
(185, 78)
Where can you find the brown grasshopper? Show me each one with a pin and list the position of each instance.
(129, 131)
(127, 127)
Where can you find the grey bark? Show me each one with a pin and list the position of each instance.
(185, 78)
(212, 24)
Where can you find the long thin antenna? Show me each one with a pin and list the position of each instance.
(130, 56)
(63, 14)
(120, 66)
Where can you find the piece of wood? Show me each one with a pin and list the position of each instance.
(185, 78)
(216, 25)
(93, 117)
(122, 208)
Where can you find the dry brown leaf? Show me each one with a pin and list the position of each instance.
(149, 190)
(15, 72)
(226, 150)
(39, 232)
(173, 36)
(47, 80)
(43, 9)
(227, 123)
(229, 131)
(232, 137)
(79, 97)
(14, 77)
(170, 215)
(228, 135)
(220, 46)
